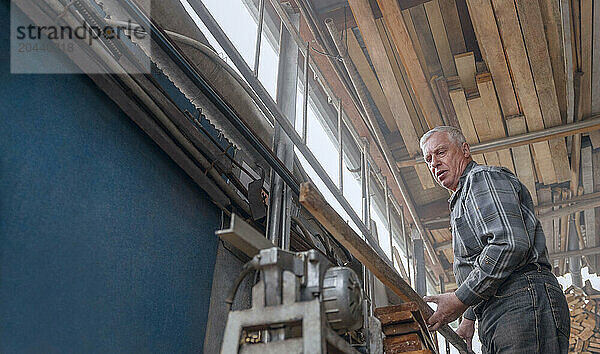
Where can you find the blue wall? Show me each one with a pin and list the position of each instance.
(105, 244)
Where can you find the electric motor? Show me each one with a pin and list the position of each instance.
(342, 299)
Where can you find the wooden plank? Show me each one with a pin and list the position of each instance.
(453, 26)
(596, 62)
(412, 33)
(407, 94)
(368, 76)
(565, 12)
(523, 165)
(464, 119)
(442, 88)
(494, 117)
(403, 343)
(482, 127)
(440, 37)
(420, 84)
(395, 317)
(587, 179)
(314, 202)
(488, 37)
(465, 66)
(510, 30)
(596, 169)
(537, 49)
(551, 17)
(422, 171)
(545, 196)
(366, 24)
(564, 230)
(587, 45)
(425, 38)
(401, 328)
(556, 197)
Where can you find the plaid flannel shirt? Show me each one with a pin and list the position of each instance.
(494, 232)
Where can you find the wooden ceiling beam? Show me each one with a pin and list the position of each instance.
(388, 80)
(392, 15)
(591, 123)
(366, 24)
(510, 31)
(366, 73)
(530, 18)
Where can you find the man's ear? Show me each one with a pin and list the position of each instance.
(466, 150)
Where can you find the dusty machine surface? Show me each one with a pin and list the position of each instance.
(301, 304)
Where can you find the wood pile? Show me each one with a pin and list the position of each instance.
(585, 332)
(405, 330)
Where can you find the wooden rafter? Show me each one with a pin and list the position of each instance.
(393, 17)
(510, 30)
(537, 50)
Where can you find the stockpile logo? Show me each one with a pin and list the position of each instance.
(81, 38)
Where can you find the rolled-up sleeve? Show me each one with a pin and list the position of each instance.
(492, 202)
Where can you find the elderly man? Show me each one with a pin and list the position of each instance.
(500, 257)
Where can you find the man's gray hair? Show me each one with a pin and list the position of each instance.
(454, 133)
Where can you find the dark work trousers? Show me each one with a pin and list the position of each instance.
(528, 314)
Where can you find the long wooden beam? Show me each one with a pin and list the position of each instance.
(314, 202)
(588, 125)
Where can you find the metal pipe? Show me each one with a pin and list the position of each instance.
(305, 98)
(261, 15)
(367, 169)
(579, 252)
(405, 238)
(363, 184)
(589, 123)
(388, 213)
(340, 146)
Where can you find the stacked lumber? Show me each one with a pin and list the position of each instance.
(585, 334)
(404, 330)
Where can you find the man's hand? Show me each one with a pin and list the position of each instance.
(466, 330)
(449, 307)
